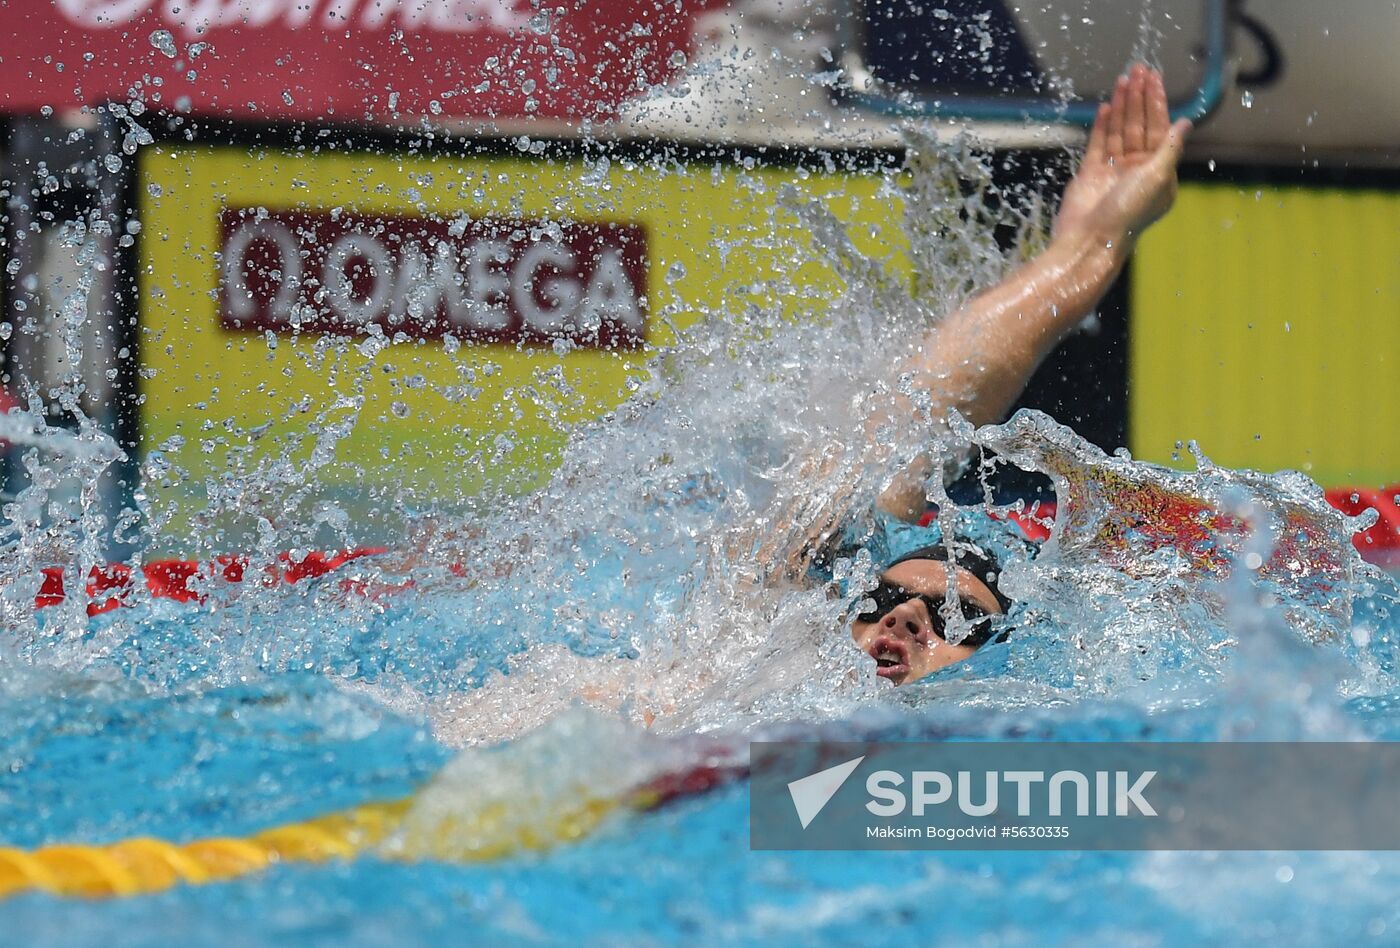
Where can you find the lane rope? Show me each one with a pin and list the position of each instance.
(144, 865)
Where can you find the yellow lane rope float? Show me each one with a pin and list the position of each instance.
(144, 865)
(139, 866)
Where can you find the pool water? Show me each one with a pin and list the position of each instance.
(608, 631)
(188, 724)
(93, 761)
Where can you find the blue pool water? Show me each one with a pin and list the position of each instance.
(91, 757)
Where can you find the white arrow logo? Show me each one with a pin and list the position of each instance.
(811, 794)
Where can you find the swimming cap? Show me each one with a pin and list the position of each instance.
(967, 555)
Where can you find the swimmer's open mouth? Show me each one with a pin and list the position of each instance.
(891, 658)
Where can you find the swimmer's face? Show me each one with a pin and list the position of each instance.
(905, 642)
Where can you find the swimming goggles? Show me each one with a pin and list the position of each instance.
(888, 595)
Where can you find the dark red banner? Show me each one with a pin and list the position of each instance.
(477, 279)
(341, 60)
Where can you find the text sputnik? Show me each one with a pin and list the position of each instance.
(1112, 793)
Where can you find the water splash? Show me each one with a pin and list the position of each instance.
(1122, 523)
(644, 579)
(640, 580)
(57, 520)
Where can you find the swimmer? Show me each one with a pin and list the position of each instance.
(980, 358)
(977, 361)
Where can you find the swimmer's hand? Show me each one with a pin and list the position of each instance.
(1127, 179)
(978, 359)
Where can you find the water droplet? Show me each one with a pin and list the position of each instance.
(112, 163)
(596, 175)
(400, 410)
(164, 41)
(1247, 99)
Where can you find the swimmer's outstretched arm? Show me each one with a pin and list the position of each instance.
(979, 359)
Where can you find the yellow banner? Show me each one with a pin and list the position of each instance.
(255, 306)
(1264, 326)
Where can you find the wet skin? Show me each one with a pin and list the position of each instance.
(904, 642)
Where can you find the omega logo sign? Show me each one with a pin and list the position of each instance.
(483, 280)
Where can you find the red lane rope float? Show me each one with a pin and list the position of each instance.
(1034, 521)
(1378, 543)
(110, 587)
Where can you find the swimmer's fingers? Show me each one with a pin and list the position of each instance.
(1135, 122)
(1116, 111)
(1158, 122)
(1169, 152)
(1097, 150)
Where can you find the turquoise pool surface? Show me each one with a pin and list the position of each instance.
(102, 755)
